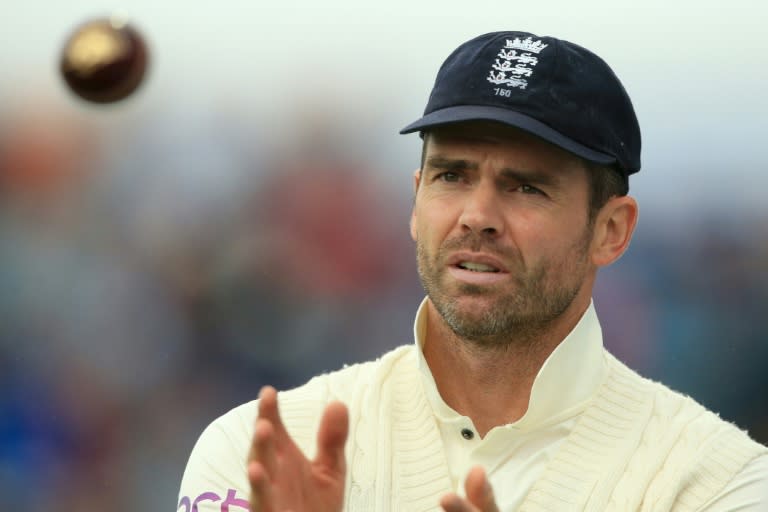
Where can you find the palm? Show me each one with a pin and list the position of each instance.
(300, 484)
(282, 478)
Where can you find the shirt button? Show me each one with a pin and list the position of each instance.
(467, 434)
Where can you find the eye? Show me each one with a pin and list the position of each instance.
(448, 176)
(530, 189)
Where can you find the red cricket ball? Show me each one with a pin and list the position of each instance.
(104, 60)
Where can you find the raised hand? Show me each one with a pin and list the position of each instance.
(479, 495)
(282, 478)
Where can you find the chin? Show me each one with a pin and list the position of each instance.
(475, 307)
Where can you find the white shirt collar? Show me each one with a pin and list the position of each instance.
(566, 381)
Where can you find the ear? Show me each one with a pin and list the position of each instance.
(416, 181)
(613, 230)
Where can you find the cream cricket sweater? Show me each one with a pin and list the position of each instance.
(636, 446)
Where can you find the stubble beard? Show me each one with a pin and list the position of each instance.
(536, 299)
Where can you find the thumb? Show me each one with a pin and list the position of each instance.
(332, 436)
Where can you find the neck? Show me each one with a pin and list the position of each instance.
(491, 384)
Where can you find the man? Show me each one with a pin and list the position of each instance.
(507, 401)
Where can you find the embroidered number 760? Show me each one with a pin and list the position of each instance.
(502, 92)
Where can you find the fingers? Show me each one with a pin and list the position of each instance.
(265, 430)
(453, 503)
(268, 410)
(478, 490)
(331, 437)
(263, 447)
(262, 459)
(261, 489)
(479, 495)
(262, 466)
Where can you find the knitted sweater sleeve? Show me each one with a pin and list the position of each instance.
(640, 446)
(215, 478)
(747, 492)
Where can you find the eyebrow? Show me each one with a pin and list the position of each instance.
(530, 176)
(450, 164)
(440, 163)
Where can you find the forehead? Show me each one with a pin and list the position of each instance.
(495, 134)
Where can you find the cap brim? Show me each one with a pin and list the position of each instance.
(463, 113)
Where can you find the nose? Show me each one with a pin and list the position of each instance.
(481, 212)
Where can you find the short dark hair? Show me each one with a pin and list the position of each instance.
(425, 140)
(605, 181)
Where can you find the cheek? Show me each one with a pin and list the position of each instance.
(431, 221)
(532, 229)
(424, 231)
(547, 239)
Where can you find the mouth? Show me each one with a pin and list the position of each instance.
(477, 262)
(477, 267)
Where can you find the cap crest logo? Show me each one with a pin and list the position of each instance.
(511, 66)
(527, 44)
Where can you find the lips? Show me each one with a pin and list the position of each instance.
(476, 262)
(477, 269)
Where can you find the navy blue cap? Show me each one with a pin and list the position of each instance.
(549, 87)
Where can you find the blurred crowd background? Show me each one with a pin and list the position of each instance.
(163, 258)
